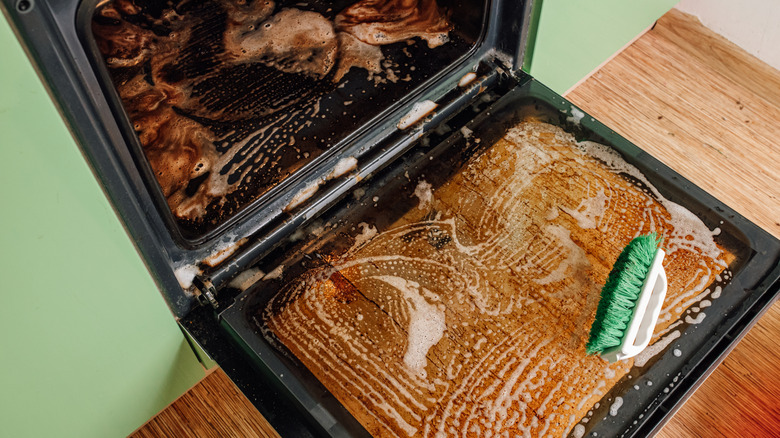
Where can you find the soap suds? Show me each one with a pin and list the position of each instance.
(426, 324)
(576, 116)
(179, 68)
(342, 167)
(222, 252)
(660, 345)
(575, 260)
(613, 410)
(689, 232)
(276, 273)
(697, 320)
(246, 279)
(186, 274)
(392, 21)
(716, 293)
(367, 232)
(424, 194)
(467, 79)
(589, 211)
(441, 326)
(303, 195)
(418, 112)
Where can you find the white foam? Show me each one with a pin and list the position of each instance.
(576, 116)
(641, 359)
(417, 113)
(185, 274)
(494, 383)
(716, 293)
(276, 273)
(467, 79)
(689, 232)
(426, 323)
(589, 211)
(613, 410)
(575, 261)
(303, 195)
(367, 233)
(697, 320)
(344, 165)
(223, 251)
(246, 279)
(424, 193)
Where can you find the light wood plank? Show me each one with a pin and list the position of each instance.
(722, 56)
(710, 111)
(212, 408)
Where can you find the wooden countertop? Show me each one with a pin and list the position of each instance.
(712, 113)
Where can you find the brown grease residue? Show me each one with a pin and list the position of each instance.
(292, 41)
(383, 22)
(176, 70)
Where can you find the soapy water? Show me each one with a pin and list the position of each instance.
(469, 317)
(220, 93)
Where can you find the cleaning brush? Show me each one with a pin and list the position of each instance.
(630, 301)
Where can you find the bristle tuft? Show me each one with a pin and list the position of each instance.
(620, 293)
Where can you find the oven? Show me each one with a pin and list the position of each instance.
(377, 224)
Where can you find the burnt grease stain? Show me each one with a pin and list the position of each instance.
(228, 98)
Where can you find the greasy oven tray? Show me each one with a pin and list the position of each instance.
(650, 394)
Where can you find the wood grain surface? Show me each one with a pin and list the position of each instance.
(711, 112)
(212, 408)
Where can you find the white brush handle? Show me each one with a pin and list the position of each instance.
(646, 311)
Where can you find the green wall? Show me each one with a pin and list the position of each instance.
(573, 37)
(88, 347)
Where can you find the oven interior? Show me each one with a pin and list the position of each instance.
(225, 102)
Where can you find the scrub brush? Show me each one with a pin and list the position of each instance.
(630, 301)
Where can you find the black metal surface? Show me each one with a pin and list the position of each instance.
(280, 121)
(259, 388)
(754, 286)
(389, 149)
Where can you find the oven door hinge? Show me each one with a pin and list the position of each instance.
(205, 291)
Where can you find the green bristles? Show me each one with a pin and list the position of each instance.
(620, 293)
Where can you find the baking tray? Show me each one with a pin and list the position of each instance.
(650, 393)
